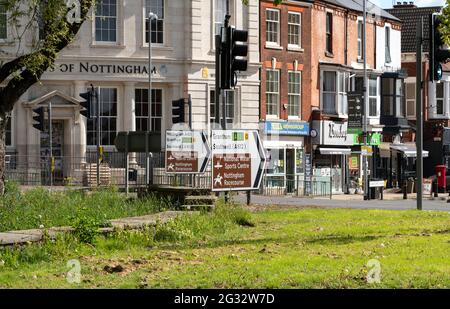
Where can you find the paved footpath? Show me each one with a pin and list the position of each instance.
(346, 201)
(35, 235)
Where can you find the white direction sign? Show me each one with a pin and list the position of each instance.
(187, 152)
(238, 160)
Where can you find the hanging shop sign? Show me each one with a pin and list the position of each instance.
(355, 111)
(297, 128)
(374, 139)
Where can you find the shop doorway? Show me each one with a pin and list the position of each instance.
(290, 171)
(57, 150)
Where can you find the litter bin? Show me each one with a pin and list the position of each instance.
(441, 176)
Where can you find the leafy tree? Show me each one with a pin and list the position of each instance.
(444, 28)
(39, 29)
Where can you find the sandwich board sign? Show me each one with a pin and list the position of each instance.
(238, 160)
(187, 152)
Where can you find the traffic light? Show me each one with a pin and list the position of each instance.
(239, 51)
(437, 53)
(178, 111)
(87, 111)
(233, 56)
(39, 118)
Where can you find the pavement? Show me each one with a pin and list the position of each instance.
(392, 201)
(35, 235)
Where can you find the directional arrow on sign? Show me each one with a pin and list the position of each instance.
(238, 160)
(187, 152)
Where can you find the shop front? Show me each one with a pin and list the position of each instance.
(285, 152)
(332, 148)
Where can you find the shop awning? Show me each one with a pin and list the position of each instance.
(335, 151)
(409, 150)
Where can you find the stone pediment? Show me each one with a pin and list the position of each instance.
(57, 98)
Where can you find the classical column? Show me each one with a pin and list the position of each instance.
(80, 140)
(129, 113)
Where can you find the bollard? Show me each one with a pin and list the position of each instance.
(405, 190)
(435, 188)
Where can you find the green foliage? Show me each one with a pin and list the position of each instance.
(86, 228)
(444, 28)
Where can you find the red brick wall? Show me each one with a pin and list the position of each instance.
(285, 58)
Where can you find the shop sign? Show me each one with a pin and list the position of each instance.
(366, 150)
(332, 133)
(297, 128)
(353, 163)
(355, 112)
(374, 139)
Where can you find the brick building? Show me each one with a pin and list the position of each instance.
(329, 62)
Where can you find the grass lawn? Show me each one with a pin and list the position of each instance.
(40, 208)
(307, 248)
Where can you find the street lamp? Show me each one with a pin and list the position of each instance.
(151, 16)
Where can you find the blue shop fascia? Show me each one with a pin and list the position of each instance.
(284, 143)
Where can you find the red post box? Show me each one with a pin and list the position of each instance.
(441, 176)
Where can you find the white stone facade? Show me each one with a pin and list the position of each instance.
(183, 57)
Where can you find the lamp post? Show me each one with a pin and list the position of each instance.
(365, 112)
(151, 16)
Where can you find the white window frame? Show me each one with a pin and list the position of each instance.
(298, 95)
(408, 99)
(118, 23)
(341, 106)
(440, 99)
(359, 38)
(277, 93)
(299, 25)
(144, 21)
(376, 96)
(277, 23)
(387, 29)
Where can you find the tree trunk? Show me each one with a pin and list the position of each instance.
(3, 124)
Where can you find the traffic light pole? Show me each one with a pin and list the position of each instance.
(365, 112)
(95, 95)
(419, 115)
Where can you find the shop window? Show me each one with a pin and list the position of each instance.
(329, 32)
(273, 26)
(275, 162)
(156, 7)
(410, 99)
(440, 99)
(294, 29)
(106, 21)
(108, 118)
(294, 93)
(299, 161)
(272, 92)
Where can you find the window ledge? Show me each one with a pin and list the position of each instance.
(272, 117)
(158, 47)
(273, 46)
(294, 118)
(360, 60)
(328, 54)
(106, 45)
(295, 48)
(6, 42)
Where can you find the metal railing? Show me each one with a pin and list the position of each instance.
(294, 185)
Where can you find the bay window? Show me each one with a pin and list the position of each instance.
(440, 99)
(373, 95)
(410, 99)
(392, 97)
(335, 86)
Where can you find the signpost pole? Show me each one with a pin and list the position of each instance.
(127, 162)
(419, 116)
(50, 137)
(365, 101)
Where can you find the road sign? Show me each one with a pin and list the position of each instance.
(238, 160)
(136, 141)
(187, 152)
